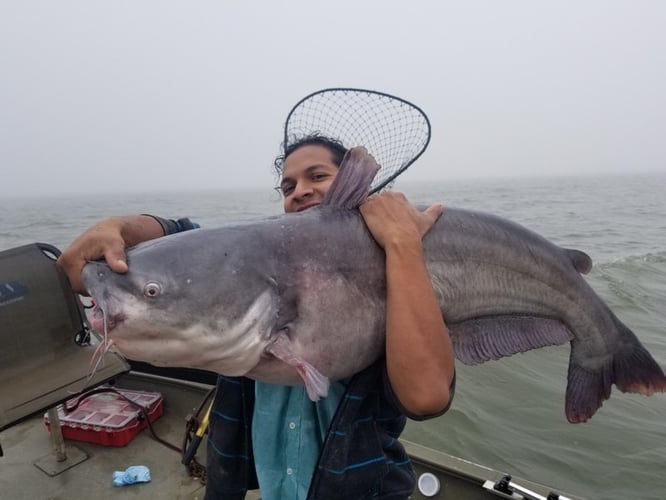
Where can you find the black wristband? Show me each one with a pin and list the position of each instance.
(170, 226)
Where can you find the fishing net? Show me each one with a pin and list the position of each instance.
(395, 131)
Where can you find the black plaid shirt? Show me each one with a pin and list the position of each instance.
(361, 457)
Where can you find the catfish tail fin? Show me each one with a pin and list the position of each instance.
(631, 369)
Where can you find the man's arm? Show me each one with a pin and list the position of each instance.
(419, 355)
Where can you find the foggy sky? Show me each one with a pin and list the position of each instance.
(161, 95)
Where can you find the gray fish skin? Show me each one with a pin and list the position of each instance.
(300, 298)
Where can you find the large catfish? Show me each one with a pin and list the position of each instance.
(300, 298)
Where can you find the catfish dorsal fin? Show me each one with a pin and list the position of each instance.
(351, 185)
(581, 261)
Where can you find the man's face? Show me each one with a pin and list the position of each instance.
(307, 174)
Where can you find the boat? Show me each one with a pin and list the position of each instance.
(52, 449)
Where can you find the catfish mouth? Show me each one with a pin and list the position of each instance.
(106, 313)
(102, 322)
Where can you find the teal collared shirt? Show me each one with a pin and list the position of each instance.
(288, 433)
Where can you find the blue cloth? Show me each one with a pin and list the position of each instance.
(132, 475)
(288, 432)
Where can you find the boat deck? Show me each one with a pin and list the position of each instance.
(29, 469)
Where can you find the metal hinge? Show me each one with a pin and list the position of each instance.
(513, 490)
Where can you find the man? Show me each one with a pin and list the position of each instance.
(345, 445)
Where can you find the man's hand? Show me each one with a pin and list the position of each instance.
(107, 239)
(392, 220)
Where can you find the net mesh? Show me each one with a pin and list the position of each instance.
(395, 131)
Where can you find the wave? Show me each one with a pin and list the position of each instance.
(634, 261)
(656, 257)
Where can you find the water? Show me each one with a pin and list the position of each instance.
(508, 414)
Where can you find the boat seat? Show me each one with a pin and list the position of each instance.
(45, 351)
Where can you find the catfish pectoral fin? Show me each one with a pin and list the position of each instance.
(315, 382)
(493, 337)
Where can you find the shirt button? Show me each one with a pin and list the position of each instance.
(292, 425)
(290, 471)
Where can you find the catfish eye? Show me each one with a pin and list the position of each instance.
(152, 289)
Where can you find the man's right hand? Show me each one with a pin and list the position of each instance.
(107, 239)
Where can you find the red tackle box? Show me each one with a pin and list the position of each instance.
(106, 418)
